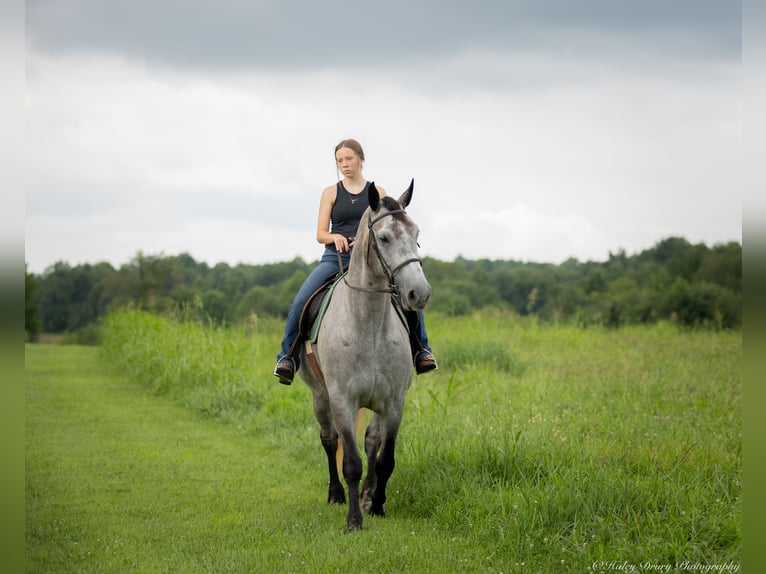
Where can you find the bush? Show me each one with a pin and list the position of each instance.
(703, 305)
(88, 335)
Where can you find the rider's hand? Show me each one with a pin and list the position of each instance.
(341, 244)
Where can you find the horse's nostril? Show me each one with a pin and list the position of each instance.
(412, 295)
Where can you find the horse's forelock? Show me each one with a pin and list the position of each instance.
(392, 205)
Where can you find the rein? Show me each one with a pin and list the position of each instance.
(390, 273)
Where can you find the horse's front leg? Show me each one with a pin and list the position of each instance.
(371, 446)
(352, 464)
(384, 464)
(329, 437)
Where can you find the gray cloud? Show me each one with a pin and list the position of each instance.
(574, 127)
(299, 34)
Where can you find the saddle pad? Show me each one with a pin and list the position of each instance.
(326, 296)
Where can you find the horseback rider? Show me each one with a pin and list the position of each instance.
(340, 210)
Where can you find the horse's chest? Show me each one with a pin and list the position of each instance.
(366, 351)
(369, 351)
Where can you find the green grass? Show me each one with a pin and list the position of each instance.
(532, 449)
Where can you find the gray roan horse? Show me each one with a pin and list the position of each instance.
(364, 353)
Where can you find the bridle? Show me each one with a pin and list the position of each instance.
(389, 271)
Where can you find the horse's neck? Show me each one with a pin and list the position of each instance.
(368, 312)
(362, 275)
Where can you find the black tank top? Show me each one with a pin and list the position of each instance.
(347, 211)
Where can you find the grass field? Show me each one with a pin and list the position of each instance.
(533, 449)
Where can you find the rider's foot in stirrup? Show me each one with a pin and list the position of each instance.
(285, 370)
(424, 362)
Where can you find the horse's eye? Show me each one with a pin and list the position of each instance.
(384, 239)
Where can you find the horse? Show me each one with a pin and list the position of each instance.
(363, 351)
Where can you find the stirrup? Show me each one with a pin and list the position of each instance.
(285, 370)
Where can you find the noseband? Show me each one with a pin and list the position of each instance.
(390, 272)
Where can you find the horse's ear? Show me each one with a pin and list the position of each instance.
(406, 197)
(373, 196)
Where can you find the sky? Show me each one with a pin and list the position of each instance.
(534, 130)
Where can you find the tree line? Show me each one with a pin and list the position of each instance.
(692, 284)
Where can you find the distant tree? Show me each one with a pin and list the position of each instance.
(260, 301)
(516, 286)
(450, 300)
(483, 291)
(723, 266)
(215, 305)
(667, 249)
(595, 281)
(185, 297)
(187, 262)
(55, 293)
(691, 284)
(622, 302)
(31, 321)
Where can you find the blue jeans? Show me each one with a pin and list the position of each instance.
(327, 267)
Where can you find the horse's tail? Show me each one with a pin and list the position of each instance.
(361, 421)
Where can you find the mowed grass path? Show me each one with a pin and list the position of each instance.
(119, 480)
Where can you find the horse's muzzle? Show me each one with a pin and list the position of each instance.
(417, 298)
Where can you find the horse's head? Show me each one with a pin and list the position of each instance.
(394, 237)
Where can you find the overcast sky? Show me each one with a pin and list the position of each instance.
(534, 130)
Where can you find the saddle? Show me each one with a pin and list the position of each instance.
(314, 309)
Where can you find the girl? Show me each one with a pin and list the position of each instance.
(340, 210)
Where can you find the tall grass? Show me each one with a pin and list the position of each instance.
(551, 445)
(208, 369)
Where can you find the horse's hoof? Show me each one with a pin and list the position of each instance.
(336, 496)
(370, 507)
(354, 528)
(377, 510)
(366, 503)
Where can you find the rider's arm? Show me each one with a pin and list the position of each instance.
(323, 222)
